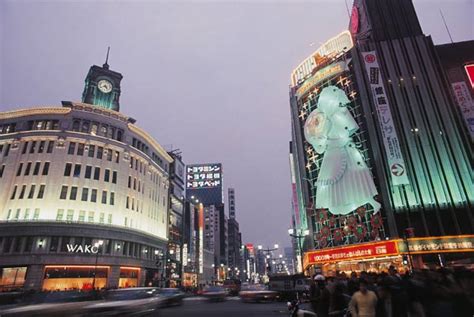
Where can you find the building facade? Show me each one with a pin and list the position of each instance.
(397, 129)
(234, 238)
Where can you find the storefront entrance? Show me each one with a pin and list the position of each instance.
(63, 278)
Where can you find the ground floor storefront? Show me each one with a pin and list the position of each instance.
(402, 254)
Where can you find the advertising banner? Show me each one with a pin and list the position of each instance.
(203, 176)
(465, 104)
(443, 244)
(396, 162)
(320, 76)
(367, 250)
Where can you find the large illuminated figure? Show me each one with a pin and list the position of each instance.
(344, 180)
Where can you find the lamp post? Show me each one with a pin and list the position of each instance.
(98, 244)
(299, 234)
(267, 252)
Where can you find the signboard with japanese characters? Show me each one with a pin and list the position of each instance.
(443, 244)
(203, 176)
(396, 162)
(465, 104)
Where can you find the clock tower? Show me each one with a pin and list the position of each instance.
(102, 86)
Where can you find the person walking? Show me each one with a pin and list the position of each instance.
(363, 302)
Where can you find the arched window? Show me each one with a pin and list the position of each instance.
(75, 125)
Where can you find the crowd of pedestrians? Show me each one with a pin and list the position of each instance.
(424, 293)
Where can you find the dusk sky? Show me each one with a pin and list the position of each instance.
(210, 78)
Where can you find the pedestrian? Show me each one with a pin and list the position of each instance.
(363, 302)
(319, 296)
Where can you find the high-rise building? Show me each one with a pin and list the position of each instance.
(234, 237)
(84, 195)
(376, 149)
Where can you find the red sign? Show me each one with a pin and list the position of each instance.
(470, 73)
(366, 250)
(249, 247)
(354, 20)
(370, 58)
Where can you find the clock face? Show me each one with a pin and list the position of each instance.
(105, 86)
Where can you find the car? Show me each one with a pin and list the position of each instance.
(171, 296)
(257, 293)
(51, 304)
(232, 286)
(137, 301)
(214, 293)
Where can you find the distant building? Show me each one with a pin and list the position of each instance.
(234, 237)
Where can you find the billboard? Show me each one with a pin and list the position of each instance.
(465, 104)
(205, 183)
(470, 73)
(204, 176)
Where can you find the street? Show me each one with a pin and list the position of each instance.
(232, 307)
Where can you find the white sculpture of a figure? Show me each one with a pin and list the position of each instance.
(344, 181)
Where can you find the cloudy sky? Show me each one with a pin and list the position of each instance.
(210, 78)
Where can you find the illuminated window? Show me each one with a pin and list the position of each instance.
(94, 128)
(41, 147)
(90, 217)
(27, 214)
(60, 215)
(117, 157)
(82, 215)
(36, 214)
(70, 215)
(17, 214)
(109, 219)
(101, 217)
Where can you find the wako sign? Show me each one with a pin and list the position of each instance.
(77, 248)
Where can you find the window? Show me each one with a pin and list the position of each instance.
(28, 168)
(63, 194)
(82, 215)
(117, 156)
(67, 169)
(27, 214)
(50, 147)
(135, 183)
(94, 195)
(131, 162)
(75, 125)
(33, 147)
(36, 214)
(100, 151)
(80, 149)
(104, 197)
(70, 215)
(114, 177)
(45, 168)
(109, 155)
(133, 203)
(31, 194)
(73, 194)
(72, 148)
(2, 168)
(25, 146)
(85, 126)
(20, 167)
(88, 172)
(119, 135)
(7, 150)
(112, 198)
(127, 203)
(94, 128)
(139, 185)
(129, 181)
(41, 147)
(101, 217)
(103, 130)
(91, 150)
(90, 218)
(97, 173)
(22, 192)
(85, 194)
(109, 219)
(17, 214)
(9, 214)
(126, 222)
(77, 170)
(41, 191)
(107, 175)
(37, 168)
(60, 215)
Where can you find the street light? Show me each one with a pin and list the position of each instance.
(267, 251)
(98, 244)
(299, 234)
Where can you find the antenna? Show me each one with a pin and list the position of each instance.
(106, 65)
(447, 29)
